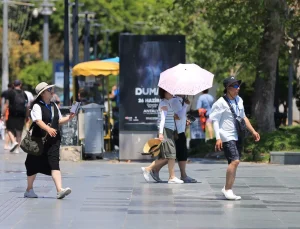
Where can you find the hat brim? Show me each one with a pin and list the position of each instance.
(155, 151)
(236, 81)
(150, 144)
(45, 88)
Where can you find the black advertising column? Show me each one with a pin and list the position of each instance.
(142, 59)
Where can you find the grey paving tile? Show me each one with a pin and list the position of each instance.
(116, 196)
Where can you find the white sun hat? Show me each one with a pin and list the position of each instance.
(42, 87)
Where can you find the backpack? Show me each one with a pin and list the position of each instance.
(18, 107)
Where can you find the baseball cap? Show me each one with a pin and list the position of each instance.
(17, 83)
(230, 80)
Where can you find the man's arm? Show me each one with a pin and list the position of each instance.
(215, 115)
(255, 135)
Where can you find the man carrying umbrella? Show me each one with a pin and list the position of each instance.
(225, 126)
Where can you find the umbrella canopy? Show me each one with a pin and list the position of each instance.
(115, 59)
(185, 79)
(95, 68)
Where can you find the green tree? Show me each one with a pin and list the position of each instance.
(248, 34)
(36, 73)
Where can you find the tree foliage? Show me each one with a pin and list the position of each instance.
(21, 54)
(226, 37)
(33, 74)
(249, 36)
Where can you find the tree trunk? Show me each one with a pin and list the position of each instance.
(264, 86)
(296, 56)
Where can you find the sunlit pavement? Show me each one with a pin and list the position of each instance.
(115, 195)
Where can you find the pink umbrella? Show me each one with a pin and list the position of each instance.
(185, 79)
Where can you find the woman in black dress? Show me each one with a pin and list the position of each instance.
(43, 113)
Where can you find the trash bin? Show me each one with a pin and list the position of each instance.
(91, 125)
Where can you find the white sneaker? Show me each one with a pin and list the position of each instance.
(63, 193)
(13, 147)
(230, 195)
(146, 174)
(16, 151)
(30, 194)
(175, 180)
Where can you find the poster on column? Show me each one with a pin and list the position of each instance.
(58, 79)
(142, 59)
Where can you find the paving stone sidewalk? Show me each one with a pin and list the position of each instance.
(115, 195)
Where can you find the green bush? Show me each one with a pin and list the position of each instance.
(203, 148)
(283, 139)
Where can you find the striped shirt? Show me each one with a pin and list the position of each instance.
(169, 122)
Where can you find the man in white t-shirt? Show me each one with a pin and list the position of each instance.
(226, 133)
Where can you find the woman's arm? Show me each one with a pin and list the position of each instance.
(66, 119)
(52, 132)
(163, 115)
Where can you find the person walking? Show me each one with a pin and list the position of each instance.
(179, 105)
(166, 135)
(227, 138)
(206, 101)
(43, 113)
(17, 103)
(5, 114)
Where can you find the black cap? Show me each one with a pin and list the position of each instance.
(17, 83)
(230, 80)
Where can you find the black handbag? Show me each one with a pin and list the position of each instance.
(34, 145)
(240, 123)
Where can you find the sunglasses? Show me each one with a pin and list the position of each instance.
(236, 86)
(49, 89)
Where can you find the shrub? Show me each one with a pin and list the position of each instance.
(283, 139)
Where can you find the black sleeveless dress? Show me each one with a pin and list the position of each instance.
(49, 160)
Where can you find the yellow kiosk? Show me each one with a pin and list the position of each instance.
(91, 85)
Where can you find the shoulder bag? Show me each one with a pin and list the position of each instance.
(240, 123)
(35, 145)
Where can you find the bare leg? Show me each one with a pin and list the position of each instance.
(171, 165)
(19, 137)
(30, 180)
(7, 140)
(182, 166)
(210, 130)
(231, 173)
(56, 176)
(157, 165)
(11, 136)
(150, 167)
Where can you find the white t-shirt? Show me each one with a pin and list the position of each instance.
(30, 97)
(221, 113)
(36, 112)
(180, 110)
